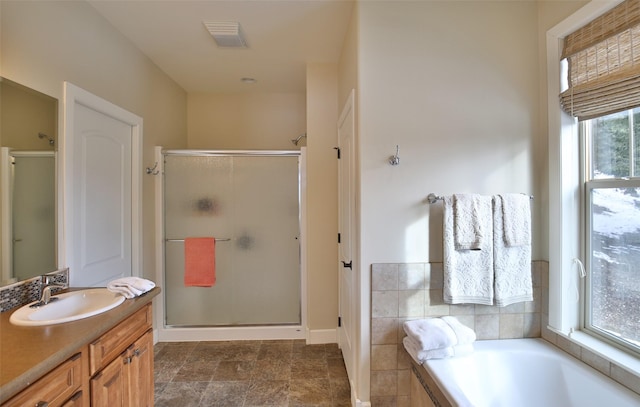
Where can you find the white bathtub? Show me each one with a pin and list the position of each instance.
(525, 373)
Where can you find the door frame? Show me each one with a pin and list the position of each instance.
(349, 110)
(74, 95)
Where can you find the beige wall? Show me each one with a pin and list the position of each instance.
(245, 120)
(46, 43)
(322, 198)
(24, 114)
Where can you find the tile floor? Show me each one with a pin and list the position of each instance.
(250, 374)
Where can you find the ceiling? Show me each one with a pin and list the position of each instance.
(283, 36)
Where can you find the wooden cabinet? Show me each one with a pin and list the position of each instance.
(114, 370)
(121, 364)
(128, 379)
(57, 387)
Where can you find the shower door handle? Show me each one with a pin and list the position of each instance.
(347, 265)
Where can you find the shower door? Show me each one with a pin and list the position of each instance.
(250, 204)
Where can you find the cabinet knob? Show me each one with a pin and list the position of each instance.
(42, 404)
(136, 352)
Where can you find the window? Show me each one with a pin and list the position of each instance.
(611, 175)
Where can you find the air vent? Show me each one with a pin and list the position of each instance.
(227, 34)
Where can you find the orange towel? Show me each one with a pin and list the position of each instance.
(199, 262)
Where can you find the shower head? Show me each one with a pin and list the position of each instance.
(296, 140)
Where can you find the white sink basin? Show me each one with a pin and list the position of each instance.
(70, 306)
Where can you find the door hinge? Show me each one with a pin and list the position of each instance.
(339, 322)
(338, 237)
(346, 265)
(338, 151)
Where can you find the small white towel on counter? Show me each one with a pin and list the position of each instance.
(430, 333)
(437, 338)
(130, 287)
(512, 249)
(468, 273)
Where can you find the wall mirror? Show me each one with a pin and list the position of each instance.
(28, 149)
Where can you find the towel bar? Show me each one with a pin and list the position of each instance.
(433, 198)
(225, 239)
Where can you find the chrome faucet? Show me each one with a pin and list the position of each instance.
(46, 285)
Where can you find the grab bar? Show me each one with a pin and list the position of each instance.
(223, 239)
(433, 198)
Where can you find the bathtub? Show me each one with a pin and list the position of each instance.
(522, 373)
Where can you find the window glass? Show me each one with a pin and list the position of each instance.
(612, 208)
(610, 146)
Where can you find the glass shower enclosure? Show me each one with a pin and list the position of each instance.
(249, 201)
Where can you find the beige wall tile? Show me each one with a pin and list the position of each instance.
(411, 276)
(384, 304)
(384, 357)
(384, 331)
(384, 277)
(411, 303)
(511, 326)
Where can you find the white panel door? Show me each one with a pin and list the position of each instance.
(346, 211)
(102, 184)
(102, 192)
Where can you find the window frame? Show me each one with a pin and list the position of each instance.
(562, 319)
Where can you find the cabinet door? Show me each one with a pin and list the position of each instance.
(140, 372)
(108, 387)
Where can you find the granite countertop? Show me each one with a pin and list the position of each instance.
(27, 353)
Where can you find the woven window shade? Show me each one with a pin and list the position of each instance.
(604, 64)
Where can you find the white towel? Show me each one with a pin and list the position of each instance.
(468, 225)
(464, 334)
(516, 219)
(468, 274)
(421, 356)
(512, 263)
(430, 333)
(130, 287)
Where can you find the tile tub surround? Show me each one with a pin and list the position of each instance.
(404, 291)
(24, 292)
(250, 374)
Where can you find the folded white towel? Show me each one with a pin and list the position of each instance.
(468, 225)
(421, 356)
(512, 263)
(464, 334)
(468, 274)
(430, 333)
(130, 287)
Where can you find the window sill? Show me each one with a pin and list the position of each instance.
(620, 366)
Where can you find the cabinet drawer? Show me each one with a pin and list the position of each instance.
(113, 343)
(54, 388)
(77, 400)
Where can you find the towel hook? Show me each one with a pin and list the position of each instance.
(394, 159)
(153, 170)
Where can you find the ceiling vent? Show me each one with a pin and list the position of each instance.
(227, 34)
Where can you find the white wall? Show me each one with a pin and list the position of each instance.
(457, 86)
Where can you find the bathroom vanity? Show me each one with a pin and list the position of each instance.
(104, 360)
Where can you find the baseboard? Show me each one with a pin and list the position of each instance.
(318, 336)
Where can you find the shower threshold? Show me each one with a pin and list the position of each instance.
(230, 333)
